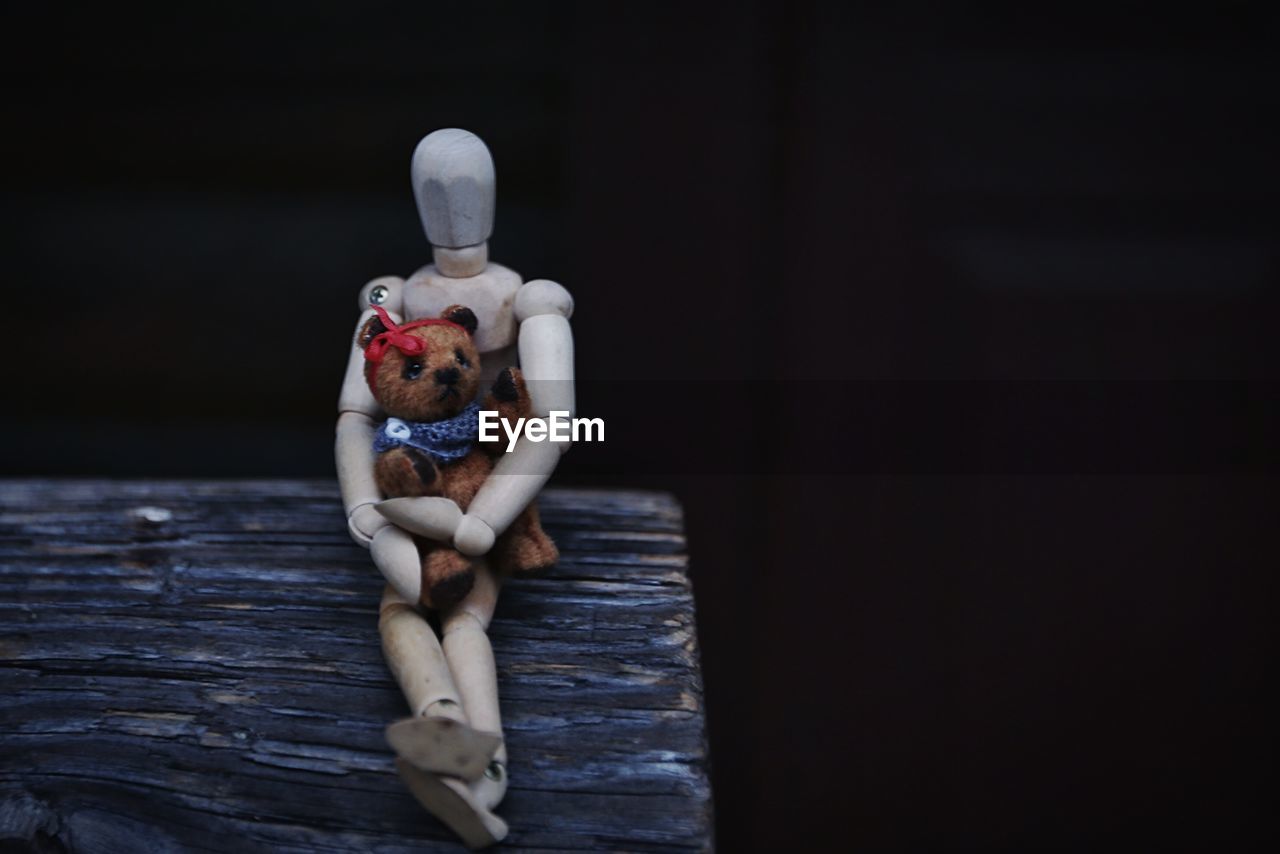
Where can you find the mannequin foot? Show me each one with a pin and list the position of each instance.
(443, 746)
(453, 803)
(492, 787)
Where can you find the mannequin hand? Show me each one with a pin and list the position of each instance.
(473, 537)
(433, 516)
(363, 522)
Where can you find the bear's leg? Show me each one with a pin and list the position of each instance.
(447, 575)
(525, 547)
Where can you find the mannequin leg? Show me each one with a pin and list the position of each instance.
(470, 657)
(438, 736)
(416, 660)
(466, 807)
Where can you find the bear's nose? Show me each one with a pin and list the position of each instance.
(447, 376)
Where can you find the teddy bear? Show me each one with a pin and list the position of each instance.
(426, 375)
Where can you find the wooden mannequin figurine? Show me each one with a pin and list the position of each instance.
(451, 753)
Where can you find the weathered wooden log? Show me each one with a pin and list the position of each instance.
(195, 666)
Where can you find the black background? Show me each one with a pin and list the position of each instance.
(953, 329)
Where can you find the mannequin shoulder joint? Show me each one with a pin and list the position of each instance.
(384, 291)
(542, 296)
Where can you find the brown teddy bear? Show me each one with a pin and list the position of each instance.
(426, 374)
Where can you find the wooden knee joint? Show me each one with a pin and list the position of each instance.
(463, 618)
(390, 609)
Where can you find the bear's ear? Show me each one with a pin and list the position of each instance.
(463, 316)
(372, 328)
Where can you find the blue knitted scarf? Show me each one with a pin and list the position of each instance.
(446, 441)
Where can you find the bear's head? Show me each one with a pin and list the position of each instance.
(427, 370)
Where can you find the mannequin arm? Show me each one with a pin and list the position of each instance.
(353, 447)
(542, 309)
(358, 414)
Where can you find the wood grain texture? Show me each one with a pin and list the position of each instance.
(195, 666)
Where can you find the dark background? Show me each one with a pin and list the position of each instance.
(953, 329)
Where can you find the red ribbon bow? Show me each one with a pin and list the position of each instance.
(394, 336)
(398, 337)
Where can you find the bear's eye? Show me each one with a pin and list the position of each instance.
(462, 359)
(412, 369)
